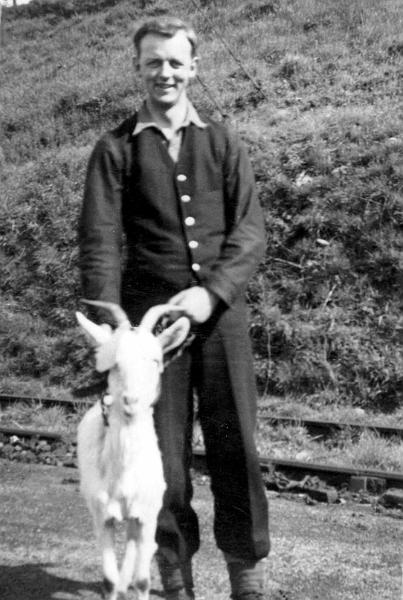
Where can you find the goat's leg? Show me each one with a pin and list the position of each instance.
(129, 559)
(146, 548)
(106, 535)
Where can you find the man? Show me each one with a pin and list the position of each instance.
(180, 190)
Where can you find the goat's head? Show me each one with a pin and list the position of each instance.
(134, 356)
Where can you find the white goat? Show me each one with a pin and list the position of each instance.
(119, 460)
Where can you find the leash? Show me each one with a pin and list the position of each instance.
(177, 353)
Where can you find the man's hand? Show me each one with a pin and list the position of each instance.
(198, 303)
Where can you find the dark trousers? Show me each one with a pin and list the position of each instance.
(218, 365)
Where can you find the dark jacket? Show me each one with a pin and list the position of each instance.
(196, 221)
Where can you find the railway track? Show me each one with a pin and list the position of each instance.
(314, 427)
(18, 443)
(329, 428)
(54, 448)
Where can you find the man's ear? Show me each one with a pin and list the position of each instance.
(194, 67)
(97, 334)
(136, 64)
(174, 335)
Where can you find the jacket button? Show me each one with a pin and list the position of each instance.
(181, 177)
(193, 244)
(189, 221)
(196, 267)
(185, 198)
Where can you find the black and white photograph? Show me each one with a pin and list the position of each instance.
(201, 299)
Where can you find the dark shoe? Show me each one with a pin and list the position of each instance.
(176, 579)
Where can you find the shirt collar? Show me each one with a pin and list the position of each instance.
(145, 120)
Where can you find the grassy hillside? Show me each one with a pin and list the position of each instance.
(314, 87)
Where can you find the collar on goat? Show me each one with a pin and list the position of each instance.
(106, 402)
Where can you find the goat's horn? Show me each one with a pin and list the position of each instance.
(154, 313)
(116, 311)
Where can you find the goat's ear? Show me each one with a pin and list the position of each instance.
(97, 334)
(174, 335)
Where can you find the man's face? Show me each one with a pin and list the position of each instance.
(166, 66)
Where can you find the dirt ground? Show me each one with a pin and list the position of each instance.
(337, 552)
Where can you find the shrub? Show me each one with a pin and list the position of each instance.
(38, 234)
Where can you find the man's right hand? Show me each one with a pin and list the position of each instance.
(197, 302)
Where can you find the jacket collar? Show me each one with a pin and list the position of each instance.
(145, 120)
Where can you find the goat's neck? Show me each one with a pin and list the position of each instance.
(118, 415)
(127, 441)
(135, 427)
(119, 423)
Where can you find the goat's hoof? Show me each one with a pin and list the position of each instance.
(113, 595)
(109, 591)
(143, 585)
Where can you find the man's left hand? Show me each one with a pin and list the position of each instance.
(197, 302)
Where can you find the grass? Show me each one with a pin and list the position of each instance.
(314, 90)
(53, 418)
(368, 451)
(322, 407)
(372, 452)
(338, 552)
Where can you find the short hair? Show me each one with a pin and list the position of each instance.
(166, 27)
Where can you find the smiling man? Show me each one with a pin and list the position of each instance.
(178, 191)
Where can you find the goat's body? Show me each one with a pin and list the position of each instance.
(120, 463)
(121, 478)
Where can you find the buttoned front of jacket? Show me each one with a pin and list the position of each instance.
(196, 220)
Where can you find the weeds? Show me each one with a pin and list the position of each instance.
(41, 418)
(369, 451)
(373, 452)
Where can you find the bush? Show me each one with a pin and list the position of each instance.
(38, 234)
